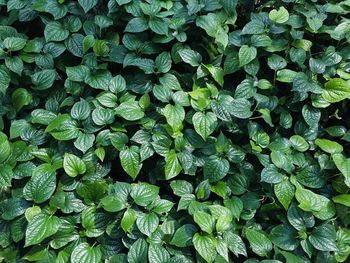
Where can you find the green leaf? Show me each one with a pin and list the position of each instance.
(40, 227)
(240, 108)
(44, 79)
(215, 168)
(157, 253)
(158, 25)
(80, 110)
(77, 73)
(144, 193)
(130, 161)
(85, 253)
(63, 128)
(13, 207)
(343, 165)
(183, 236)
(191, 57)
(270, 174)
(42, 116)
(73, 165)
(4, 79)
(147, 223)
(94, 221)
(259, 242)
(205, 221)
(329, 146)
(74, 44)
(128, 220)
(175, 115)
(14, 43)
(54, 31)
(276, 62)
(246, 55)
(205, 245)
(323, 238)
(299, 143)
(286, 75)
(41, 185)
(204, 123)
(138, 252)
(163, 62)
(6, 174)
(336, 90)
(87, 4)
(283, 236)
(136, 25)
(15, 64)
(130, 110)
(172, 165)
(181, 187)
(279, 16)
(343, 199)
(235, 244)
(319, 205)
(84, 142)
(284, 192)
(102, 116)
(21, 97)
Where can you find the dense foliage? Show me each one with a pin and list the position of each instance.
(174, 131)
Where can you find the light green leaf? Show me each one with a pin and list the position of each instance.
(157, 253)
(284, 192)
(6, 174)
(138, 252)
(343, 165)
(246, 55)
(279, 16)
(299, 143)
(4, 79)
(87, 4)
(54, 31)
(77, 73)
(73, 165)
(14, 43)
(215, 168)
(205, 221)
(329, 146)
(44, 79)
(175, 115)
(41, 185)
(144, 193)
(130, 161)
(130, 110)
(343, 199)
(40, 227)
(323, 238)
(336, 90)
(85, 253)
(136, 25)
(190, 57)
(259, 242)
(128, 220)
(205, 246)
(147, 223)
(183, 236)
(204, 123)
(172, 165)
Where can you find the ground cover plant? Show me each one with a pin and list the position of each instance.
(174, 131)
